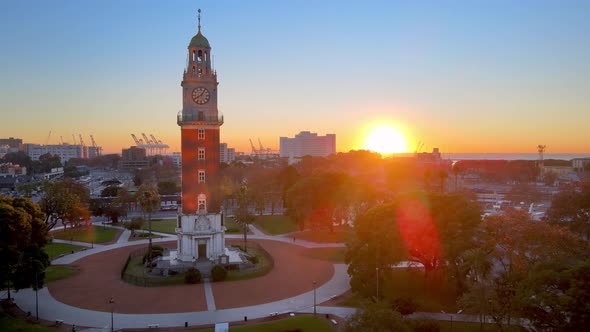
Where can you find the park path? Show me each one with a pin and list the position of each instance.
(51, 309)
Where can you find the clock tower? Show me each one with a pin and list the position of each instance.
(200, 228)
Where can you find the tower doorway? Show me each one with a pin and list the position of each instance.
(202, 251)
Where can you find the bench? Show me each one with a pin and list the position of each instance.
(153, 326)
(59, 322)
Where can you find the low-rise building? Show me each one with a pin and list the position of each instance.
(580, 164)
(13, 144)
(9, 170)
(133, 158)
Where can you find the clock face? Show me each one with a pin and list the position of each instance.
(201, 95)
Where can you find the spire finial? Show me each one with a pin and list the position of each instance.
(199, 16)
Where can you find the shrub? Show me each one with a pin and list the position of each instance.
(218, 273)
(192, 276)
(157, 251)
(253, 259)
(135, 223)
(424, 325)
(404, 305)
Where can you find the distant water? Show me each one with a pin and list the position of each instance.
(511, 156)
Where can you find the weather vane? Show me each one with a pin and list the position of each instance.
(199, 16)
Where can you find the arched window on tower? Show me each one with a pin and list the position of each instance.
(206, 58)
(193, 70)
(200, 56)
(194, 56)
(202, 200)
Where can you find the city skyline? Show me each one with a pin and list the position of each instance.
(480, 78)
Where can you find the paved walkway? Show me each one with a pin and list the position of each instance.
(209, 296)
(51, 309)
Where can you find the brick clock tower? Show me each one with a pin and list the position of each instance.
(200, 227)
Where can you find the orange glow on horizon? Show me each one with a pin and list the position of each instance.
(385, 138)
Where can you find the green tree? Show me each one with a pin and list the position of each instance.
(110, 191)
(376, 317)
(19, 158)
(514, 244)
(315, 199)
(23, 234)
(242, 214)
(62, 201)
(135, 224)
(433, 230)
(149, 201)
(168, 188)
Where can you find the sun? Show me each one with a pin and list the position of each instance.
(386, 140)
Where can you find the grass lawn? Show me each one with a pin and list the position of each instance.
(323, 235)
(58, 272)
(232, 226)
(162, 225)
(56, 249)
(298, 323)
(9, 323)
(275, 224)
(335, 255)
(431, 293)
(88, 234)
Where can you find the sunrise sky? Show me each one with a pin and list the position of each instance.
(465, 76)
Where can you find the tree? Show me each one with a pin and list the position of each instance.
(149, 200)
(572, 209)
(168, 188)
(243, 215)
(315, 199)
(23, 234)
(476, 265)
(19, 158)
(376, 317)
(433, 230)
(514, 245)
(46, 163)
(110, 191)
(135, 224)
(556, 296)
(62, 201)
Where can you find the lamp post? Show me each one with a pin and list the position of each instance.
(377, 269)
(458, 312)
(112, 303)
(314, 303)
(37, 294)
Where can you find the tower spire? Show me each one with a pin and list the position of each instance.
(199, 17)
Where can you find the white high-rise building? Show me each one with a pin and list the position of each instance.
(308, 144)
(226, 155)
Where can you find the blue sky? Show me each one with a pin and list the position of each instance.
(465, 76)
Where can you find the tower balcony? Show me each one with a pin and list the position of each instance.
(198, 118)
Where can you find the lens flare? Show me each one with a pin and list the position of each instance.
(386, 140)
